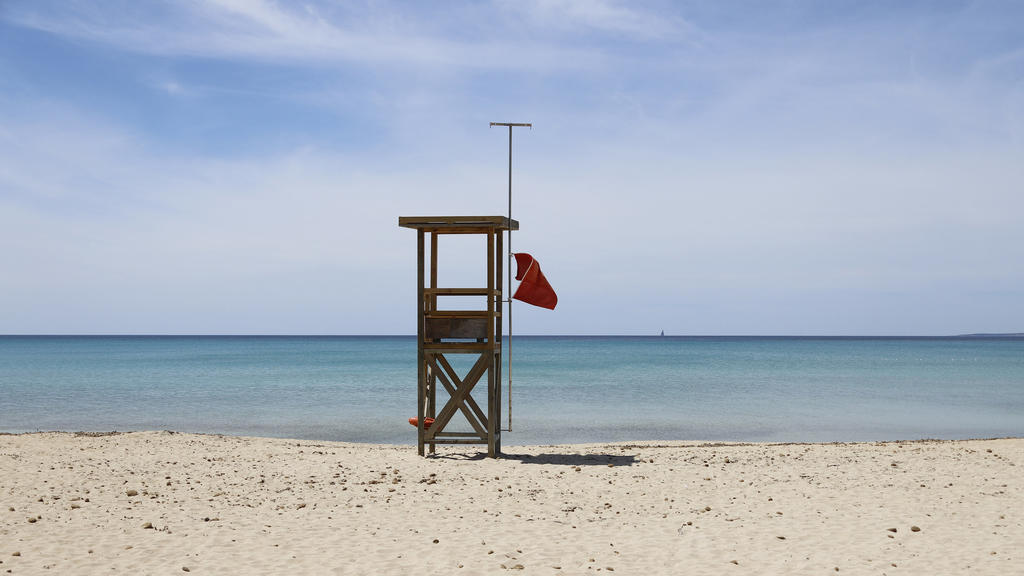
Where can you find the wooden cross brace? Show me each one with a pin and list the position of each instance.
(460, 397)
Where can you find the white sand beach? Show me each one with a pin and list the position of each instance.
(167, 503)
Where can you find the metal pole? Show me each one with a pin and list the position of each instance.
(510, 279)
(509, 299)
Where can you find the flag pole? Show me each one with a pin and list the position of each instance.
(509, 299)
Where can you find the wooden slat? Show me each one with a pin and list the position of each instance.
(434, 220)
(458, 314)
(460, 435)
(462, 314)
(458, 291)
(458, 441)
(456, 347)
(442, 328)
(472, 224)
(433, 273)
(459, 230)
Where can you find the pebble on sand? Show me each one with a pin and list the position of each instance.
(132, 492)
(915, 529)
(148, 526)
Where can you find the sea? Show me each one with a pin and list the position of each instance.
(564, 389)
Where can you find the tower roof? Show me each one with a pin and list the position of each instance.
(457, 224)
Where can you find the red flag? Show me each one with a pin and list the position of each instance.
(533, 287)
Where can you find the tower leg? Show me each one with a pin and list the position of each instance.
(431, 307)
(421, 372)
(493, 384)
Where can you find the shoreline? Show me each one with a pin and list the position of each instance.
(161, 502)
(617, 443)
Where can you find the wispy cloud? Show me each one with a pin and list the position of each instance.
(294, 33)
(626, 19)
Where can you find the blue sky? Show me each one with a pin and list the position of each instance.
(233, 167)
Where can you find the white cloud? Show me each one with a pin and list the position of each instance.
(295, 34)
(625, 18)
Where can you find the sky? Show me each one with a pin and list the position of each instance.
(702, 168)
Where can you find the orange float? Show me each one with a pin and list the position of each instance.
(416, 421)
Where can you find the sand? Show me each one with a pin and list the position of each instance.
(168, 503)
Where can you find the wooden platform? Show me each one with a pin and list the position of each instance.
(458, 224)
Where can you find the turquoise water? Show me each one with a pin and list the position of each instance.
(565, 389)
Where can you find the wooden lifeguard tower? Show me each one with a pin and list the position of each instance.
(444, 332)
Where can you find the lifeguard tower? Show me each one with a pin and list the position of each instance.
(441, 332)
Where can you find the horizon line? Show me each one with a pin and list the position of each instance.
(251, 335)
